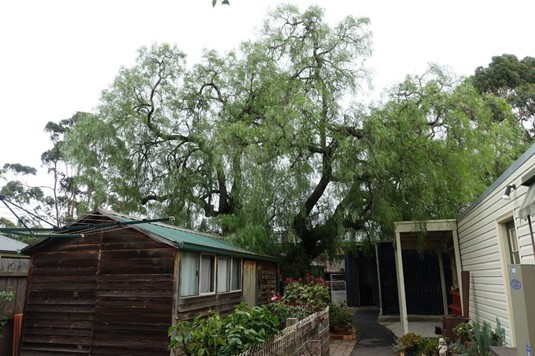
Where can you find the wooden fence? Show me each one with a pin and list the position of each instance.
(13, 273)
(309, 336)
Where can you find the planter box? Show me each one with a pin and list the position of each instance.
(346, 335)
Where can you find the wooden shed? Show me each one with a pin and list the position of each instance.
(117, 283)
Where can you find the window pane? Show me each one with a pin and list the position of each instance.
(207, 274)
(513, 243)
(236, 274)
(516, 258)
(189, 274)
(222, 274)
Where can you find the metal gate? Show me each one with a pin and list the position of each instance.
(422, 281)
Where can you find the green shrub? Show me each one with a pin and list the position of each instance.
(339, 316)
(212, 335)
(428, 346)
(408, 343)
(312, 293)
(476, 339)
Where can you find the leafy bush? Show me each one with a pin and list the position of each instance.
(284, 311)
(339, 316)
(301, 298)
(312, 293)
(247, 327)
(428, 346)
(212, 335)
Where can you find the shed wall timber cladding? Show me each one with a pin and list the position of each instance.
(107, 294)
(267, 281)
(481, 253)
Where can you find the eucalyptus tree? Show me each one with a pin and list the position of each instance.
(23, 205)
(266, 145)
(513, 80)
(65, 193)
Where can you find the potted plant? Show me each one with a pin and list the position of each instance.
(408, 344)
(340, 319)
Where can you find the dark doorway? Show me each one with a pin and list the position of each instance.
(362, 283)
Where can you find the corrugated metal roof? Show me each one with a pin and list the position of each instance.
(11, 245)
(183, 239)
(188, 240)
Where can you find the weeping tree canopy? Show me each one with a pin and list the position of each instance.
(267, 145)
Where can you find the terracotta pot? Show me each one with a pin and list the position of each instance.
(342, 330)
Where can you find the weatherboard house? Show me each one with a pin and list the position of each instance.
(114, 284)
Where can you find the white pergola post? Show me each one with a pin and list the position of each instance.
(442, 281)
(401, 286)
(379, 279)
(458, 267)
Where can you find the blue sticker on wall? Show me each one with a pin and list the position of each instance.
(515, 284)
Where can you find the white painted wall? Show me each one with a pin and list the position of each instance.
(484, 249)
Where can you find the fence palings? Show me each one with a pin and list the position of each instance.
(309, 336)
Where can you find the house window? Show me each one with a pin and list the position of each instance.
(512, 241)
(207, 274)
(236, 274)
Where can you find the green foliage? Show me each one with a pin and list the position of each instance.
(301, 298)
(340, 316)
(212, 335)
(66, 193)
(5, 297)
(268, 146)
(414, 344)
(16, 192)
(310, 292)
(514, 80)
(475, 339)
(447, 150)
(428, 346)
(408, 343)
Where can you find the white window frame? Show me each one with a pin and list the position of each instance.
(512, 242)
(227, 275)
(214, 272)
(214, 283)
(231, 274)
(197, 275)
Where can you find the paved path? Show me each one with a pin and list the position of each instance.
(373, 339)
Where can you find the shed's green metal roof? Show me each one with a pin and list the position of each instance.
(188, 240)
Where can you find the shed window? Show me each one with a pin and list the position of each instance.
(236, 274)
(223, 273)
(189, 274)
(207, 274)
(198, 274)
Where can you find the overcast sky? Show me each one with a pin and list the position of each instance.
(57, 56)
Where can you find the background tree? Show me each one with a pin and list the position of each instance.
(31, 199)
(434, 147)
(267, 146)
(65, 193)
(513, 80)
